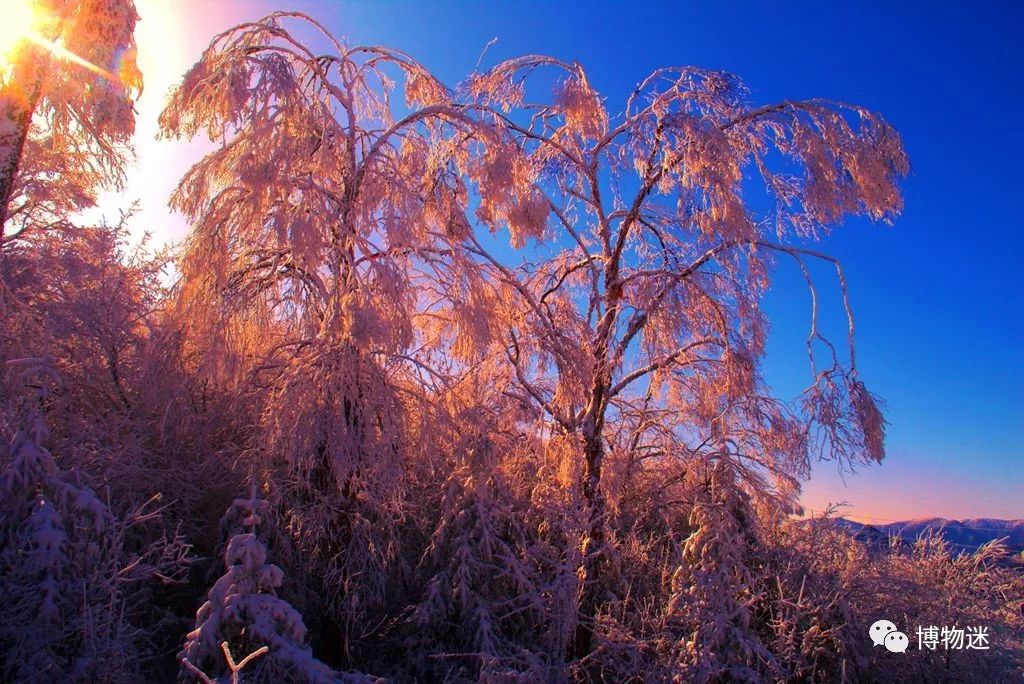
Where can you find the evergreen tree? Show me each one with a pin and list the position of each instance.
(72, 587)
(244, 612)
(481, 601)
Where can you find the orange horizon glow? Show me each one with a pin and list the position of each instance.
(907, 486)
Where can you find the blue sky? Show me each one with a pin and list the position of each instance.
(939, 315)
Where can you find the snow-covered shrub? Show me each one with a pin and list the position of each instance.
(710, 611)
(331, 430)
(482, 607)
(810, 571)
(66, 130)
(243, 610)
(822, 590)
(929, 583)
(75, 579)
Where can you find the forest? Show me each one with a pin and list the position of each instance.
(447, 383)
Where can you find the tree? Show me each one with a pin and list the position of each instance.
(66, 116)
(314, 225)
(648, 292)
(244, 614)
(482, 601)
(713, 591)
(355, 239)
(87, 296)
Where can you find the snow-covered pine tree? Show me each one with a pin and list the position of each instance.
(481, 603)
(250, 514)
(244, 611)
(710, 610)
(71, 590)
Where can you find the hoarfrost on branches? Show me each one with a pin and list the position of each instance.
(487, 358)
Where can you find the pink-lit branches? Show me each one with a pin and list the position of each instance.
(657, 260)
(355, 246)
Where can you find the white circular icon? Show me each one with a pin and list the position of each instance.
(880, 630)
(896, 642)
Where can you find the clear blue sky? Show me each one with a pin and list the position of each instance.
(939, 313)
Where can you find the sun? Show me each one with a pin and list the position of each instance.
(21, 22)
(18, 23)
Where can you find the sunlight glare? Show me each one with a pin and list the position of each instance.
(20, 23)
(17, 24)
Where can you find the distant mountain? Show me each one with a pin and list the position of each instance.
(966, 534)
(869, 534)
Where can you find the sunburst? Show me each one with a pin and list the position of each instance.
(20, 25)
(20, 20)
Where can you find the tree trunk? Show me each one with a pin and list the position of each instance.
(593, 571)
(17, 105)
(596, 557)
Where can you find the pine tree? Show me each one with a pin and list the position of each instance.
(244, 614)
(481, 601)
(69, 602)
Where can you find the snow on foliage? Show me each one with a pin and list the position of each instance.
(479, 587)
(651, 300)
(69, 600)
(712, 587)
(243, 609)
(313, 225)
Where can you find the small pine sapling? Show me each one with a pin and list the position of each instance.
(713, 588)
(243, 614)
(481, 603)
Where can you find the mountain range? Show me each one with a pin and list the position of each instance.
(965, 535)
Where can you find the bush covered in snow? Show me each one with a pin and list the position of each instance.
(243, 610)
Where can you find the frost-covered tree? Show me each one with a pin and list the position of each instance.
(66, 116)
(714, 593)
(494, 351)
(482, 604)
(244, 612)
(344, 249)
(86, 295)
(316, 225)
(643, 290)
(90, 298)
